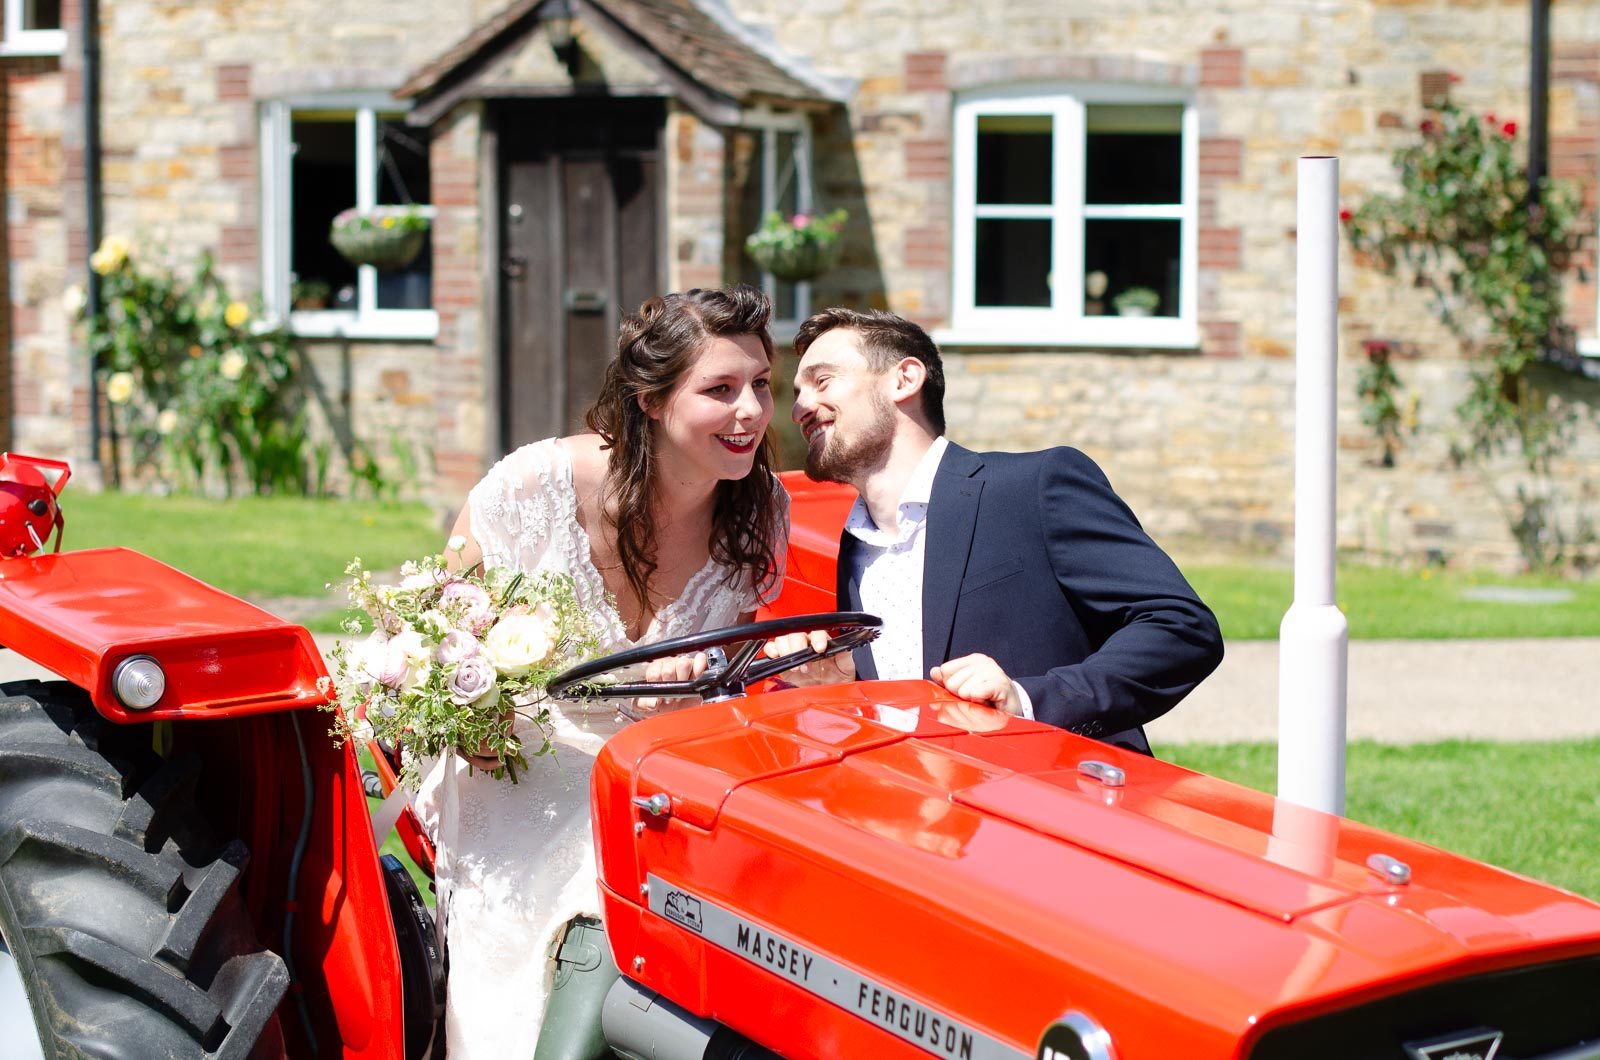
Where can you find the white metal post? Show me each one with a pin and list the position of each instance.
(1313, 641)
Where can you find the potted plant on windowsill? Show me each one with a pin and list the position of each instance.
(797, 248)
(1136, 302)
(385, 237)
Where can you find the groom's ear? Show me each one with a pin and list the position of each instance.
(906, 379)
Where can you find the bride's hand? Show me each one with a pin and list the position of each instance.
(484, 757)
(672, 668)
(841, 667)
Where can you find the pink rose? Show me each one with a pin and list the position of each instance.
(468, 604)
(455, 647)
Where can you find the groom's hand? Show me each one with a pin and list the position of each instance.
(978, 678)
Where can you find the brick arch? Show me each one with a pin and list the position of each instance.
(1123, 69)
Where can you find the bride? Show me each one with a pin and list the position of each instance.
(670, 521)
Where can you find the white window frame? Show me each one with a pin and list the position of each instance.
(769, 123)
(19, 40)
(366, 321)
(1063, 323)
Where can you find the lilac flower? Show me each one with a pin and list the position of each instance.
(472, 679)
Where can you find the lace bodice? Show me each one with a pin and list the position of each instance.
(525, 516)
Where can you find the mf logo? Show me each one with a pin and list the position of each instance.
(686, 911)
(1479, 1043)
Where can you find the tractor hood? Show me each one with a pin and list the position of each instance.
(941, 849)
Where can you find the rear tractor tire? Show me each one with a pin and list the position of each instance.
(121, 913)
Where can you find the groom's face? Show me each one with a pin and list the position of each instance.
(843, 409)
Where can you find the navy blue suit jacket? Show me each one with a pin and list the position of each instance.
(1033, 560)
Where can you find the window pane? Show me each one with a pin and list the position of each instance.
(324, 175)
(41, 14)
(746, 161)
(1134, 154)
(402, 179)
(1012, 263)
(1014, 159)
(1134, 254)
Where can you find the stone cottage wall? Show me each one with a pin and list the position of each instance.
(181, 84)
(1200, 440)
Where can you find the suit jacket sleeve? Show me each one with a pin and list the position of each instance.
(1154, 640)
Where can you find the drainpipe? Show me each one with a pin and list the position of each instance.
(1538, 99)
(93, 221)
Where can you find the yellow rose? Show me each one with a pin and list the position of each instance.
(518, 643)
(119, 388)
(111, 255)
(236, 314)
(232, 365)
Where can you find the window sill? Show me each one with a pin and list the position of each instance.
(420, 324)
(35, 42)
(1092, 333)
(1589, 347)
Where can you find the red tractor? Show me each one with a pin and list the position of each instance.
(187, 865)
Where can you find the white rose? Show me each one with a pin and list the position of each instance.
(518, 643)
(232, 365)
(367, 658)
(167, 421)
(411, 643)
(456, 543)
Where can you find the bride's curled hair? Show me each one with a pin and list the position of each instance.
(656, 345)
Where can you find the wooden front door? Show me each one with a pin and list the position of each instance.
(580, 239)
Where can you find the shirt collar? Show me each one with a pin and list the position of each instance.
(918, 491)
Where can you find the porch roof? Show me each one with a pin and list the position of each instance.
(707, 54)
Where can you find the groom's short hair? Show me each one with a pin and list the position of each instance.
(886, 339)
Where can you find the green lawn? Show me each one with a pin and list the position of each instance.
(1530, 807)
(1385, 603)
(255, 546)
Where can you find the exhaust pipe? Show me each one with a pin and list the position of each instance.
(642, 1025)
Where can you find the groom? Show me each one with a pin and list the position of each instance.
(1016, 579)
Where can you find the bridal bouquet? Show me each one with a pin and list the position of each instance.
(455, 657)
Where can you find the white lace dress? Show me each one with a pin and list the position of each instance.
(517, 861)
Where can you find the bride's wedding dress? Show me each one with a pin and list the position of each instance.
(516, 862)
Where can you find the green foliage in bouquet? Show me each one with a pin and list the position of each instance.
(455, 658)
(797, 248)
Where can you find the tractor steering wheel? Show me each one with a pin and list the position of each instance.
(728, 673)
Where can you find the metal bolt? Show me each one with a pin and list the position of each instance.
(638, 964)
(644, 890)
(638, 828)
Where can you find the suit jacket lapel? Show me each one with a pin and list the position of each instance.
(952, 516)
(847, 597)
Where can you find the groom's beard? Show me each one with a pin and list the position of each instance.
(848, 460)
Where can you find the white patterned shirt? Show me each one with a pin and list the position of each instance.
(888, 567)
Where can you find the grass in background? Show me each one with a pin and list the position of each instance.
(1533, 808)
(255, 546)
(1390, 603)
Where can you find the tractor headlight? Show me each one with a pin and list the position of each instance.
(139, 682)
(1076, 1037)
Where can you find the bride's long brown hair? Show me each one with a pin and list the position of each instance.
(655, 347)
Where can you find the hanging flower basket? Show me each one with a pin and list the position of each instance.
(797, 248)
(385, 237)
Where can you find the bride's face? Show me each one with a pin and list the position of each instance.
(712, 421)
